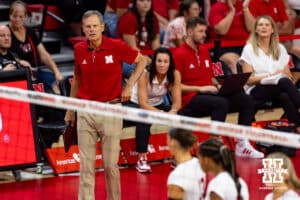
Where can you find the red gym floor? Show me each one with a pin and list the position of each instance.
(134, 185)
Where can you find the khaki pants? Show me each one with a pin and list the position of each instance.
(108, 129)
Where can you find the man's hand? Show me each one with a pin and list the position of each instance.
(209, 89)
(70, 117)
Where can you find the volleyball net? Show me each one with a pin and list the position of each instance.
(141, 115)
(17, 101)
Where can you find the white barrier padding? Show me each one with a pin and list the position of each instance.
(141, 115)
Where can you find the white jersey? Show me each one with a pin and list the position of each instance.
(224, 186)
(289, 195)
(190, 177)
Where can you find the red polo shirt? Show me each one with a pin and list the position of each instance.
(100, 71)
(275, 8)
(237, 30)
(195, 68)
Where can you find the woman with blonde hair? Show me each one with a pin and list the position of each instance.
(268, 61)
(27, 46)
(290, 183)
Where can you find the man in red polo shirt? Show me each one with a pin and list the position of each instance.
(98, 77)
(199, 93)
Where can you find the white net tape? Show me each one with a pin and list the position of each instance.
(220, 128)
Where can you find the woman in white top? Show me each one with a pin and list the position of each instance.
(187, 180)
(290, 183)
(268, 62)
(215, 157)
(148, 93)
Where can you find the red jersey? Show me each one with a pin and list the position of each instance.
(163, 6)
(128, 24)
(237, 30)
(195, 68)
(275, 8)
(100, 70)
(114, 4)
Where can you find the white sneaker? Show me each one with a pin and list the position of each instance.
(142, 165)
(245, 149)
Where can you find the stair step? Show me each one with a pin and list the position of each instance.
(4, 12)
(66, 55)
(53, 45)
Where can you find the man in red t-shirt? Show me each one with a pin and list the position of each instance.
(98, 77)
(200, 94)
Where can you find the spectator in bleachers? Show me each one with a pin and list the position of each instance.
(27, 46)
(288, 187)
(8, 60)
(230, 20)
(226, 184)
(276, 9)
(74, 9)
(268, 61)
(160, 78)
(283, 17)
(199, 92)
(176, 30)
(187, 180)
(293, 9)
(206, 5)
(165, 11)
(140, 29)
(113, 11)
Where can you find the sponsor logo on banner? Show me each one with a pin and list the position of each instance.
(62, 162)
(157, 148)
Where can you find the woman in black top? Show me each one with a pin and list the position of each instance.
(27, 46)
